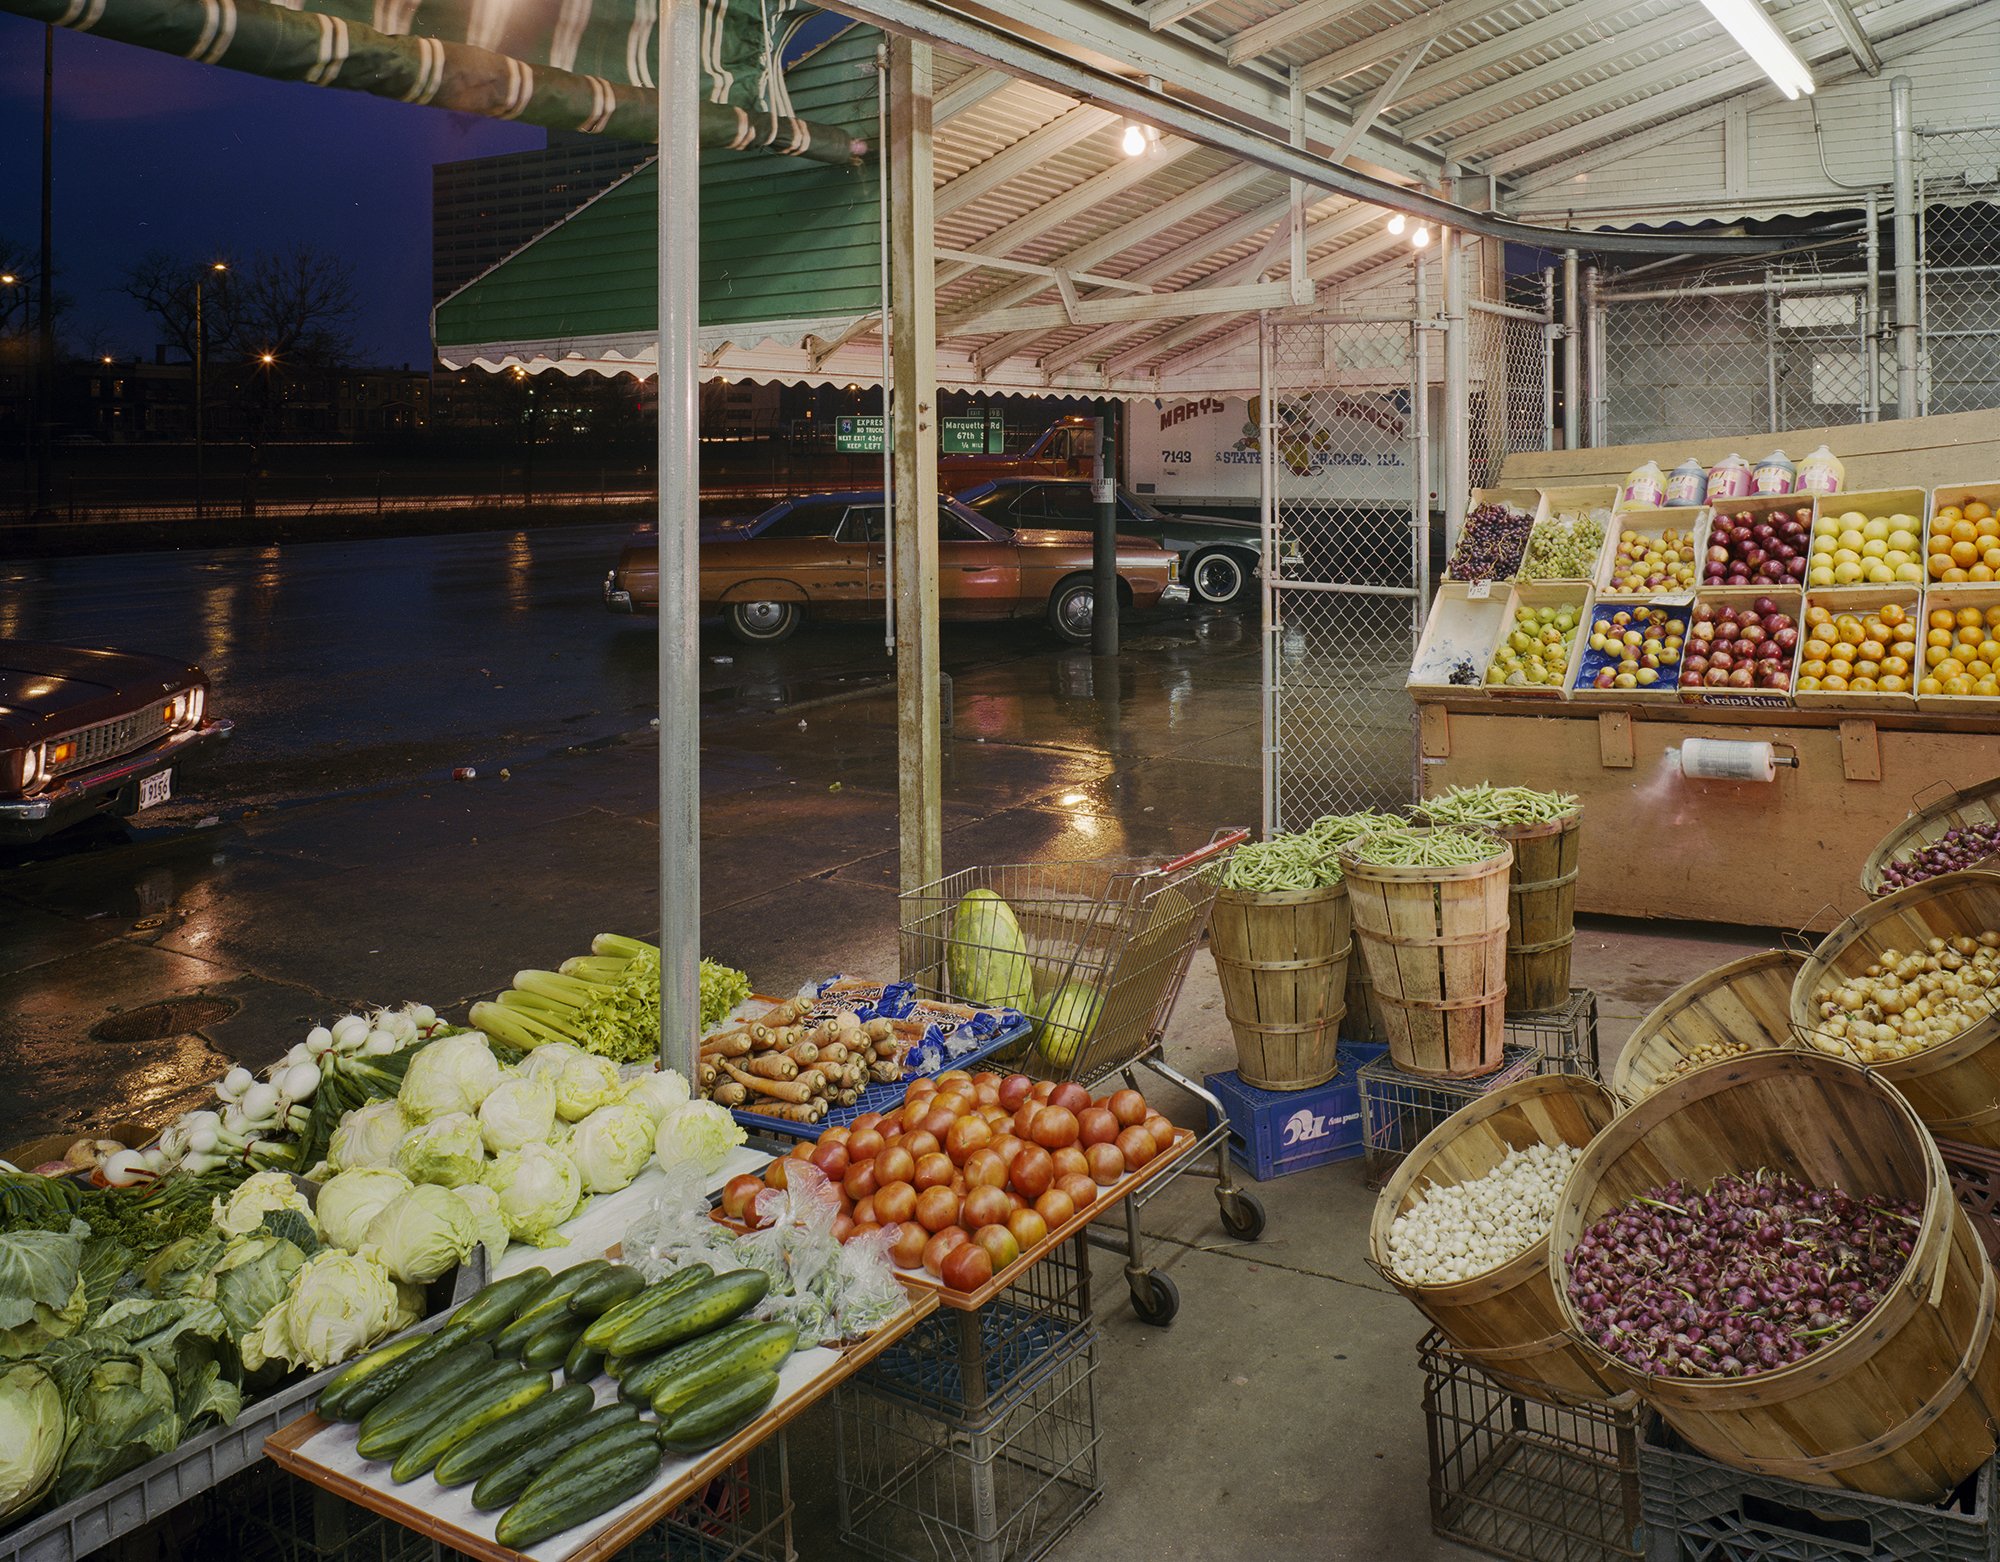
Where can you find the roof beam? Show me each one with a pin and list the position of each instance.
(1060, 275)
(1058, 135)
(1380, 99)
(1164, 13)
(975, 86)
(1153, 306)
(1459, 108)
(1390, 41)
(1567, 22)
(1105, 246)
(1292, 22)
(1855, 36)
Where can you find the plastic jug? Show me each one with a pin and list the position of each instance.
(1820, 473)
(1644, 488)
(1729, 479)
(1775, 474)
(1687, 484)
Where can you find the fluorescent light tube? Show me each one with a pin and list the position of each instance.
(1759, 38)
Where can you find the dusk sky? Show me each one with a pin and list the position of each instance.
(156, 152)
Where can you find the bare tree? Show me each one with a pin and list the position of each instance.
(295, 306)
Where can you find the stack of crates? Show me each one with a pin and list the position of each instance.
(1398, 1109)
(1273, 1133)
(1526, 1478)
(1565, 1036)
(976, 1435)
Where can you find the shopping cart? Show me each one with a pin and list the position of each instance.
(1108, 944)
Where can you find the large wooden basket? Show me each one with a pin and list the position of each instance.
(1281, 957)
(1955, 1086)
(1747, 1001)
(1435, 940)
(1901, 1407)
(1508, 1319)
(1541, 910)
(1928, 822)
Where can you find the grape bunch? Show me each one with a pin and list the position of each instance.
(1491, 544)
(1565, 547)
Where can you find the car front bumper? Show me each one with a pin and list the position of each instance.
(109, 788)
(619, 600)
(1175, 595)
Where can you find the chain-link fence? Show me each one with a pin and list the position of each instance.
(1343, 416)
(1511, 383)
(1958, 292)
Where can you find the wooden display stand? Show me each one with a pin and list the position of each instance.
(1784, 853)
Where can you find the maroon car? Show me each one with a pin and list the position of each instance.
(88, 731)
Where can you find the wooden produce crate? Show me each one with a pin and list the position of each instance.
(1954, 599)
(1959, 497)
(1464, 626)
(1539, 594)
(1528, 499)
(1861, 601)
(1667, 687)
(1575, 500)
(1857, 512)
(1761, 507)
(1740, 597)
(1690, 522)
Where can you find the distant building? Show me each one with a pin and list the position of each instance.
(131, 401)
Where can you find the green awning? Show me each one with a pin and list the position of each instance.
(788, 250)
(566, 64)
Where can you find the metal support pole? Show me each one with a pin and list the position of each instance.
(913, 430)
(679, 530)
(1903, 150)
(1871, 318)
(1104, 548)
(1771, 356)
(200, 397)
(43, 420)
(1456, 480)
(1267, 518)
(1594, 386)
(1572, 355)
(1420, 506)
(1550, 331)
(888, 368)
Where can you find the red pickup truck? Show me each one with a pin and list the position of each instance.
(1067, 448)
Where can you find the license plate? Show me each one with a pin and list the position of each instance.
(156, 789)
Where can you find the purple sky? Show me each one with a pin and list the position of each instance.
(157, 152)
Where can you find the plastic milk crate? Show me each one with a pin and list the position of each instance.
(1277, 1132)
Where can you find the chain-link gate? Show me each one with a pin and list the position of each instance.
(1958, 278)
(1510, 369)
(1343, 425)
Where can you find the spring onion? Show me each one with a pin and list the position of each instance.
(1485, 806)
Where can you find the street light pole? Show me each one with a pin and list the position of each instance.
(45, 346)
(200, 354)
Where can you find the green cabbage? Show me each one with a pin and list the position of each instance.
(121, 1412)
(452, 1074)
(520, 1111)
(988, 956)
(34, 1429)
(612, 1146)
(244, 1210)
(539, 1189)
(583, 1084)
(420, 1234)
(448, 1150)
(42, 1296)
(347, 1203)
(338, 1305)
(698, 1134)
(368, 1136)
(253, 1276)
(489, 1221)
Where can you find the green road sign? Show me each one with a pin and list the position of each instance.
(862, 435)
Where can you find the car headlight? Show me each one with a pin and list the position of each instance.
(184, 709)
(21, 767)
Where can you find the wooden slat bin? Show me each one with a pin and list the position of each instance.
(1541, 910)
(1935, 810)
(1745, 1005)
(1281, 958)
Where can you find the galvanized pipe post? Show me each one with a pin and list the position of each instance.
(1572, 355)
(1594, 386)
(1104, 547)
(1902, 146)
(1267, 577)
(679, 530)
(1456, 479)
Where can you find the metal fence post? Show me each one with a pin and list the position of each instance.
(1455, 479)
(1267, 516)
(1595, 388)
(1903, 151)
(1572, 355)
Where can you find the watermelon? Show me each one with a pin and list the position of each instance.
(989, 957)
(1067, 1021)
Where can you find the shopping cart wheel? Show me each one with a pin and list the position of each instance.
(1155, 1299)
(1242, 1213)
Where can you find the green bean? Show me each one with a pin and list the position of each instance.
(1336, 830)
(1399, 846)
(1285, 862)
(1486, 805)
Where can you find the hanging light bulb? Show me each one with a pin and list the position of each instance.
(1397, 222)
(1421, 237)
(1135, 139)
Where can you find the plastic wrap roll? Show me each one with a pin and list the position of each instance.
(1723, 759)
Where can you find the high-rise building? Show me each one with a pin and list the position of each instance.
(485, 208)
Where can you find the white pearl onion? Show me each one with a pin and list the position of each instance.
(1463, 1229)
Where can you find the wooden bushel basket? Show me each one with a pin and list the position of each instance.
(1902, 1406)
(1363, 1020)
(1281, 957)
(1747, 1000)
(1541, 910)
(1926, 823)
(1435, 940)
(1506, 1320)
(1954, 1086)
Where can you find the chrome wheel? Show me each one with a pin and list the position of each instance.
(1071, 610)
(1218, 578)
(763, 622)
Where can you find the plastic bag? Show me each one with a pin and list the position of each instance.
(675, 1231)
(860, 1287)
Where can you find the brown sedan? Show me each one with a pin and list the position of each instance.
(824, 555)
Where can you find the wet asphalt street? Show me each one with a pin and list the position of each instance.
(329, 858)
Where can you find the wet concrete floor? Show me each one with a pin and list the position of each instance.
(331, 861)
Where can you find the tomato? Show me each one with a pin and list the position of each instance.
(967, 1135)
(1107, 1162)
(1001, 1245)
(1128, 1106)
(941, 1244)
(906, 1247)
(1137, 1146)
(1053, 1127)
(1096, 1125)
(895, 1201)
(937, 1208)
(1032, 1172)
(1014, 1091)
(966, 1267)
(1070, 1095)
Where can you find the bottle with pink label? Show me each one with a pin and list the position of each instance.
(1775, 474)
(1821, 473)
(1645, 488)
(1729, 479)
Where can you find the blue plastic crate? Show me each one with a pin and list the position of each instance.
(1273, 1133)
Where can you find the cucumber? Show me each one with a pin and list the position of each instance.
(590, 1478)
(619, 1283)
(582, 1363)
(431, 1349)
(766, 1350)
(493, 1444)
(646, 1375)
(499, 1396)
(733, 1405)
(602, 1329)
(695, 1311)
(552, 1303)
(336, 1399)
(499, 1486)
(494, 1308)
(398, 1418)
(552, 1345)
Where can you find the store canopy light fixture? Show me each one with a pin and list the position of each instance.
(1138, 139)
(1421, 237)
(1397, 222)
(1759, 38)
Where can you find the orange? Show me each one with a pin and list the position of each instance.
(1817, 615)
(1977, 510)
(1980, 572)
(1964, 553)
(1939, 563)
(1970, 618)
(1834, 682)
(1840, 667)
(1893, 613)
(1958, 685)
(1987, 526)
(1819, 649)
(1895, 666)
(1866, 668)
(1953, 577)
(1929, 686)
(1862, 686)
(1894, 684)
(1813, 666)
(1943, 618)
(1950, 667)
(1937, 637)
(1963, 531)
